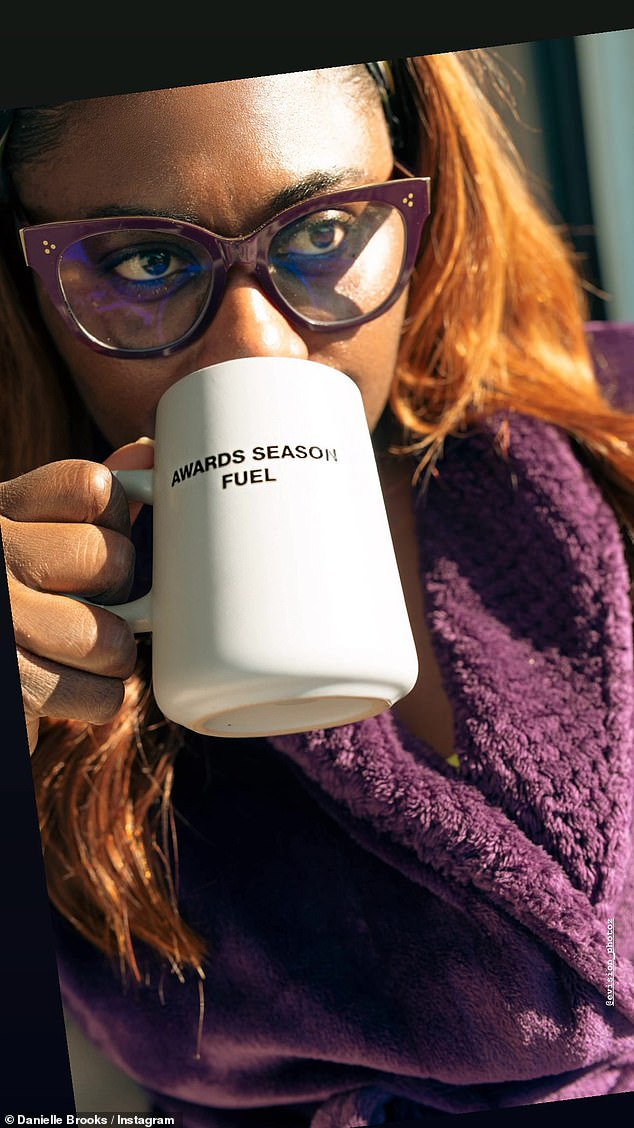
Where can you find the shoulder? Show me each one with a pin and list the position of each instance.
(508, 466)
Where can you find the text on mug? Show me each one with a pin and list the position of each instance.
(257, 454)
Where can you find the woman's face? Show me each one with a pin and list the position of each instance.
(218, 153)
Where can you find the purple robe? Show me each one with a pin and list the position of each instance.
(388, 934)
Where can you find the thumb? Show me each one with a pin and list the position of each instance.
(138, 455)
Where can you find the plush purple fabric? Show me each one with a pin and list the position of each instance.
(612, 346)
(389, 934)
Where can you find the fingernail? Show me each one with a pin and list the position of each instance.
(145, 440)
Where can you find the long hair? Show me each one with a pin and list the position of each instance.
(497, 309)
(495, 320)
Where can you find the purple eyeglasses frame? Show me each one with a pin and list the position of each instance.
(44, 244)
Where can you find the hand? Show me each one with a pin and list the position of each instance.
(66, 531)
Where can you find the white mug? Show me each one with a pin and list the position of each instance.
(276, 603)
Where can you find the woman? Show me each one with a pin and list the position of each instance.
(411, 913)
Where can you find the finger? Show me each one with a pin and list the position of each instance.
(71, 633)
(133, 456)
(32, 732)
(73, 490)
(52, 690)
(75, 559)
(138, 455)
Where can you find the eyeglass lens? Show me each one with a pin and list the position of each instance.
(337, 265)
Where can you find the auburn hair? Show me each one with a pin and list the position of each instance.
(495, 321)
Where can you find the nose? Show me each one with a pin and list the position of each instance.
(247, 324)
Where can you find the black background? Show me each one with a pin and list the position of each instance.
(47, 64)
(51, 64)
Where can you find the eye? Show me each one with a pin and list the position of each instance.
(318, 234)
(147, 271)
(149, 265)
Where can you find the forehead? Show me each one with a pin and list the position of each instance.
(224, 143)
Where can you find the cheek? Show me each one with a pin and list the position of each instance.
(369, 357)
(121, 396)
(118, 397)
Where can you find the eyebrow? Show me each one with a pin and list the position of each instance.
(311, 185)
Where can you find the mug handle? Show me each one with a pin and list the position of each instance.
(139, 486)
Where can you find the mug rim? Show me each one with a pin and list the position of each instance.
(340, 377)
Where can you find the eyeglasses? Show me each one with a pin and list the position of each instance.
(141, 287)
